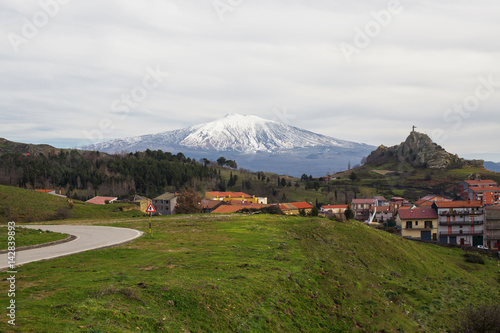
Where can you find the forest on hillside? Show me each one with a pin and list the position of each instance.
(84, 174)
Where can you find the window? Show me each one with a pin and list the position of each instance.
(416, 223)
(408, 225)
(428, 224)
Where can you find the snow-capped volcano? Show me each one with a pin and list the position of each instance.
(234, 132)
(239, 136)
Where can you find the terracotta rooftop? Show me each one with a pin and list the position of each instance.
(458, 204)
(417, 213)
(485, 189)
(363, 201)
(301, 205)
(101, 200)
(44, 191)
(225, 209)
(480, 182)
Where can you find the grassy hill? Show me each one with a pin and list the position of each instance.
(30, 206)
(7, 146)
(259, 273)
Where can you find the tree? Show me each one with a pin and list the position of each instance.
(188, 202)
(314, 211)
(349, 213)
(353, 176)
(283, 182)
(221, 161)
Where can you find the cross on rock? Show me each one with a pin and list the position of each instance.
(413, 128)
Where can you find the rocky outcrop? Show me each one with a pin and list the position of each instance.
(419, 151)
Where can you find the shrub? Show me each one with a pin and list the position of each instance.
(272, 210)
(479, 319)
(474, 258)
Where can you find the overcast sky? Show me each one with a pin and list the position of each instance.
(80, 72)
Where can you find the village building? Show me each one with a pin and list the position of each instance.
(460, 222)
(486, 191)
(418, 223)
(429, 199)
(361, 208)
(382, 213)
(336, 211)
(234, 196)
(165, 203)
(492, 237)
(294, 208)
(101, 200)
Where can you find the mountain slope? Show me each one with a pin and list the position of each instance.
(7, 146)
(234, 132)
(254, 142)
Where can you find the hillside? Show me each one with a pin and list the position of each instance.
(255, 274)
(7, 146)
(413, 169)
(30, 206)
(419, 151)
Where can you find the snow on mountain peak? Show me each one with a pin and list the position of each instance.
(249, 133)
(233, 132)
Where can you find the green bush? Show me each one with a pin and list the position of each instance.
(474, 258)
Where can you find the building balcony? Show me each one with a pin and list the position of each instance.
(455, 213)
(451, 223)
(464, 233)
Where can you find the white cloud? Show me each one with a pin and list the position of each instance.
(264, 55)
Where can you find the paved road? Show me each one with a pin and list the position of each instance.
(87, 238)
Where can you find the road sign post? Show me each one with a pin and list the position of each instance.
(151, 209)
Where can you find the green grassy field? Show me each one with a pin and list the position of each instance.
(206, 273)
(26, 206)
(27, 237)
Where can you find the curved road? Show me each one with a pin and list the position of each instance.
(87, 238)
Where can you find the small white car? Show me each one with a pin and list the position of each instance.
(482, 247)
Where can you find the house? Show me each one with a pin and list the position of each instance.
(486, 191)
(382, 213)
(141, 201)
(52, 192)
(230, 196)
(288, 209)
(361, 208)
(208, 206)
(429, 199)
(418, 223)
(460, 222)
(165, 203)
(294, 208)
(398, 202)
(303, 205)
(492, 237)
(337, 211)
(226, 209)
(381, 201)
(102, 200)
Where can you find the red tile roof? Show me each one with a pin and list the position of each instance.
(458, 204)
(44, 191)
(301, 205)
(101, 200)
(485, 189)
(225, 209)
(480, 182)
(363, 201)
(417, 213)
